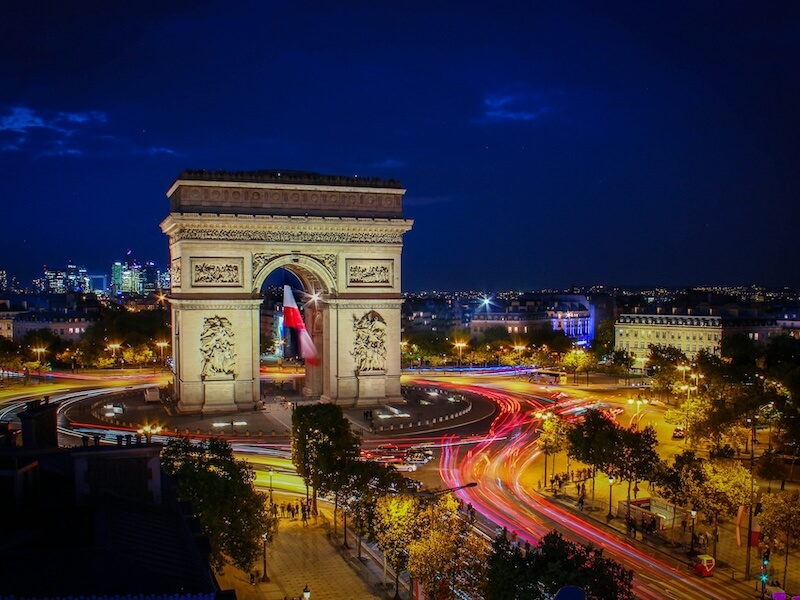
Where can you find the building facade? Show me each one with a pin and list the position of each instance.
(691, 334)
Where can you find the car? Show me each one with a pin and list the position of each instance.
(678, 433)
(402, 466)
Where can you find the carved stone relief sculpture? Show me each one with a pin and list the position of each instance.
(217, 347)
(216, 272)
(369, 347)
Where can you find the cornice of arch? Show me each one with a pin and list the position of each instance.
(265, 228)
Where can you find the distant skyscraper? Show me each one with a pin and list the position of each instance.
(55, 281)
(149, 278)
(3, 280)
(116, 276)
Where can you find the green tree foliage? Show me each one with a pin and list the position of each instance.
(771, 467)
(603, 343)
(663, 362)
(364, 482)
(140, 354)
(322, 445)
(552, 437)
(551, 565)
(741, 353)
(127, 328)
(721, 490)
(636, 458)
(41, 338)
(780, 522)
(624, 453)
(10, 357)
(446, 554)
(396, 526)
(234, 516)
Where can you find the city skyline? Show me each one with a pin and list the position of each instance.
(541, 146)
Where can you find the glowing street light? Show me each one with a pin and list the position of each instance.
(161, 346)
(610, 489)
(114, 348)
(39, 353)
(148, 431)
(639, 402)
(271, 473)
(460, 346)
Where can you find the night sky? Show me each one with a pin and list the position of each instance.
(542, 144)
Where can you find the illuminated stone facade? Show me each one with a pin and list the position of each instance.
(634, 333)
(342, 238)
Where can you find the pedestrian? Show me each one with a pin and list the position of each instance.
(683, 525)
(635, 490)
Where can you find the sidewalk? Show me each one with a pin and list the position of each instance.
(309, 556)
(731, 558)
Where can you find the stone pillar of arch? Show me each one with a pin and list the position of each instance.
(341, 237)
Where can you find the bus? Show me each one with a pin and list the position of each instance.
(548, 376)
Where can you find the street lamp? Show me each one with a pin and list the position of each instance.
(306, 593)
(460, 346)
(639, 402)
(161, 346)
(264, 577)
(114, 348)
(148, 431)
(610, 489)
(270, 485)
(39, 353)
(691, 544)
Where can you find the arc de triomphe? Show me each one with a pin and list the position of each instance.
(341, 236)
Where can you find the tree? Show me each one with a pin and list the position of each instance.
(551, 565)
(593, 442)
(365, 482)
(722, 489)
(396, 527)
(780, 520)
(322, 444)
(771, 467)
(447, 553)
(636, 458)
(140, 354)
(552, 438)
(670, 479)
(233, 515)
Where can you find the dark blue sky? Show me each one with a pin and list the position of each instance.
(542, 144)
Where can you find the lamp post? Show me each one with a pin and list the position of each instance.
(39, 353)
(610, 490)
(306, 593)
(161, 346)
(114, 348)
(460, 346)
(264, 577)
(639, 402)
(271, 471)
(691, 544)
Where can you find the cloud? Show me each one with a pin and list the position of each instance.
(513, 106)
(157, 150)
(65, 133)
(20, 120)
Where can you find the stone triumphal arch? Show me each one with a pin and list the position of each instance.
(341, 236)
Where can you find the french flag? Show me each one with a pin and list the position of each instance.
(292, 318)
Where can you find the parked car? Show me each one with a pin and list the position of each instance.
(678, 433)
